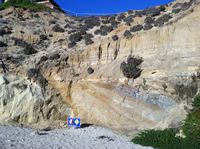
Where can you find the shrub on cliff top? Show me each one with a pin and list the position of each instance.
(114, 24)
(43, 59)
(92, 21)
(127, 33)
(163, 19)
(29, 50)
(43, 37)
(149, 20)
(121, 17)
(194, 1)
(75, 37)
(140, 13)
(177, 5)
(105, 21)
(176, 10)
(162, 8)
(136, 28)
(55, 56)
(88, 41)
(52, 22)
(88, 36)
(112, 18)
(185, 6)
(130, 11)
(105, 29)
(131, 69)
(1, 43)
(97, 32)
(129, 19)
(57, 28)
(152, 11)
(71, 44)
(21, 43)
(147, 26)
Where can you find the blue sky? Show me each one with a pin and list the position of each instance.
(107, 6)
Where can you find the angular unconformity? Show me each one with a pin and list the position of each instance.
(117, 105)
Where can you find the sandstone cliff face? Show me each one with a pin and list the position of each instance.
(25, 101)
(158, 98)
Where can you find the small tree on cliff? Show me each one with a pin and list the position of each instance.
(131, 69)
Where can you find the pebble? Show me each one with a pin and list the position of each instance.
(36, 132)
(9, 141)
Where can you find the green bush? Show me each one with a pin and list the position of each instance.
(23, 3)
(8, 3)
(131, 69)
(191, 127)
(29, 50)
(163, 19)
(196, 102)
(18, 2)
(164, 139)
(75, 37)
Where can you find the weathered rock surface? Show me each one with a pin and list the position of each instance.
(25, 101)
(156, 99)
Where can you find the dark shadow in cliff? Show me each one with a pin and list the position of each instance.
(3, 66)
(188, 90)
(85, 125)
(35, 74)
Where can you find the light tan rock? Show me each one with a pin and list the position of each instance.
(26, 102)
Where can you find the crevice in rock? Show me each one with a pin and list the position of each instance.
(79, 59)
(50, 112)
(5, 69)
(100, 53)
(107, 50)
(131, 50)
(42, 112)
(69, 89)
(115, 54)
(189, 27)
(117, 50)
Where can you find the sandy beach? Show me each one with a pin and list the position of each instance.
(93, 137)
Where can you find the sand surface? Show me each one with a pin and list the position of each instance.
(93, 137)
